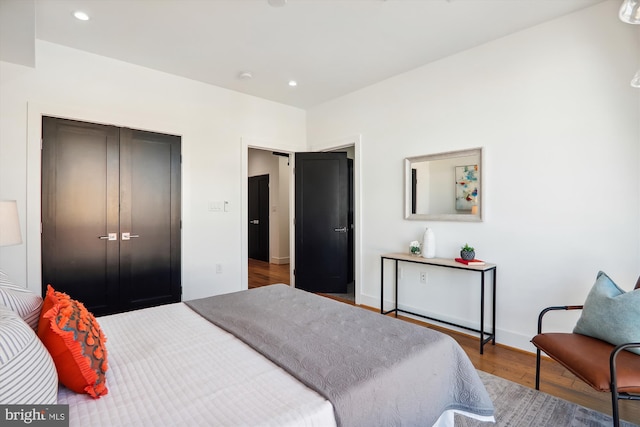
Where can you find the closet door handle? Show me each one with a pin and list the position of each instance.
(129, 236)
(110, 236)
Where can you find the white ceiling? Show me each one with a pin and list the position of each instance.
(331, 47)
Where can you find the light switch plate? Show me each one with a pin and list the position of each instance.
(215, 206)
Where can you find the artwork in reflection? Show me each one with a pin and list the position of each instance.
(466, 187)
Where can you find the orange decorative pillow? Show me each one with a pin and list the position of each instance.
(76, 343)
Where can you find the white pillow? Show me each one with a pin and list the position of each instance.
(21, 300)
(27, 373)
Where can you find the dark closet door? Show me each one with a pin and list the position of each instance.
(80, 192)
(150, 214)
(322, 222)
(258, 206)
(111, 215)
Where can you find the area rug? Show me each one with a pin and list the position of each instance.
(519, 406)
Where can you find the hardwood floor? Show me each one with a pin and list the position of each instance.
(512, 364)
(261, 273)
(520, 367)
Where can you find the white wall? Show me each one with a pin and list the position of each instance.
(213, 123)
(554, 111)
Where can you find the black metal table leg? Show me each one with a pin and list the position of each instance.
(482, 313)
(493, 307)
(382, 285)
(396, 288)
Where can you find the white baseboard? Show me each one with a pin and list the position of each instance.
(279, 260)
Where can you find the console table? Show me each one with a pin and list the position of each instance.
(485, 336)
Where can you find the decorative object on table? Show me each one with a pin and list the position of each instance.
(467, 253)
(466, 187)
(428, 244)
(470, 261)
(414, 248)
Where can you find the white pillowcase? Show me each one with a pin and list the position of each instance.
(27, 373)
(21, 300)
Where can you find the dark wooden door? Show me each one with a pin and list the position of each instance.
(321, 222)
(80, 191)
(150, 213)
(350, 226)
(258, 206)
(99, 182)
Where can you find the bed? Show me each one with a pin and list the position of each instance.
(277, 356)
(168, 366)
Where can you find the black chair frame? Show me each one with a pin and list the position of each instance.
(615, 395)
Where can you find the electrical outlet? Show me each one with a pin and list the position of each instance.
(218, 268)
(423, 277)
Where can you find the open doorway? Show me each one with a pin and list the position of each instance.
(253, 148)
(268, 177)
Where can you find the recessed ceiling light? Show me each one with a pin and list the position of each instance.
(293, 83)
(81, 15)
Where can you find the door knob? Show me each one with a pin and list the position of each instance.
(254, 221)
(340, 230)
(110, 236)
(129, 236)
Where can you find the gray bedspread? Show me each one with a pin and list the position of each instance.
(375, 370)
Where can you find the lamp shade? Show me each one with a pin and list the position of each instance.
(630, 11)
(9, 223)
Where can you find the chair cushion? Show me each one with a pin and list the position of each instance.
(611, 314)
(588, 359)
(76, 343)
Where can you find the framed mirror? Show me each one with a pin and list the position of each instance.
(444, 186)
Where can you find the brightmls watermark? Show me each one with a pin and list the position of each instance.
(34, 415)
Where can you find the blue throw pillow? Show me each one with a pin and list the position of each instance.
(611, 314)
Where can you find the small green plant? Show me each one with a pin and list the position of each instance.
(415, 247)
(467, 248)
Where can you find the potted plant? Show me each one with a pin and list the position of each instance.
(414, 248)
(467, 252)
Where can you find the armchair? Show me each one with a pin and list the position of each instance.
(603, 366)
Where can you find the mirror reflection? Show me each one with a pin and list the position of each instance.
(444, 186)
